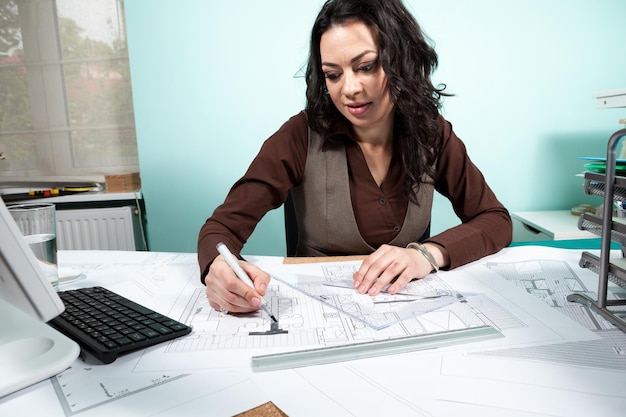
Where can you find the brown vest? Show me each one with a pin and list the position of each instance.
(326, 222)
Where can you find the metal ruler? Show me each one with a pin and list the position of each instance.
(332, 354)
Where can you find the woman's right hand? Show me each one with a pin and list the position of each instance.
(227, 293)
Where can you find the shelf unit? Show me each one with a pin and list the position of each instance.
(611, 229)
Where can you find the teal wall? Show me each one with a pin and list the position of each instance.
(212, 80)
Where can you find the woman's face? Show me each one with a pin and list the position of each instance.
(355, 79)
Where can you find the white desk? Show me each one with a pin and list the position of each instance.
(547, 364)
(533, 226)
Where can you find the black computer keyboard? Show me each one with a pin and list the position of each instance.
(106, 324)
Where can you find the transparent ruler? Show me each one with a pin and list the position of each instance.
(383, 310)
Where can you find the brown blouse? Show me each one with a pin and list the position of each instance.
(379, 211)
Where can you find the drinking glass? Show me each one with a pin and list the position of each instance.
(37, 222)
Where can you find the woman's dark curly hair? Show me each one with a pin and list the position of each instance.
(408, 62)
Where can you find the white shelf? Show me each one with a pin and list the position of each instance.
(87, 197)
(611, 99)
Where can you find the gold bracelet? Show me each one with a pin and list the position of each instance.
(424, 251)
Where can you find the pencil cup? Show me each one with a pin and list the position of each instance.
(37, 222)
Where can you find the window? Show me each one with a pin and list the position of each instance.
(66, 105)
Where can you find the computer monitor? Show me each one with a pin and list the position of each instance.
(30, 350)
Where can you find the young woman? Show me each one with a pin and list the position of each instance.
(361, 164)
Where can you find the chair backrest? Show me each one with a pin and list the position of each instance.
(291, 226)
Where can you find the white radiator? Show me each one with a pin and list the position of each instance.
(115, 228)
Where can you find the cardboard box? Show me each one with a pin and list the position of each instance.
(122, 183)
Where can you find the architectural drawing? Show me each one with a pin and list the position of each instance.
(310, 323)
(223, 344)
(552, 281)
(334, 287)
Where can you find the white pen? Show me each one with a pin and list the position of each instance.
(234, 265)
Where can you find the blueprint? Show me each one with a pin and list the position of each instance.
(551, 281)
(334, 287)
(563, 378)
(212, 364)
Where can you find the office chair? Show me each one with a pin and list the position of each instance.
(291, 226)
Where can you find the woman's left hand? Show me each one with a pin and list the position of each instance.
(396, 266)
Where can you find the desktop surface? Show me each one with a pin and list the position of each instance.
(209, 372)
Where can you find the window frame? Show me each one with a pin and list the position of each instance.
(48, 96)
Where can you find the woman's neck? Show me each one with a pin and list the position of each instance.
(376, 136)
(378, 153)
